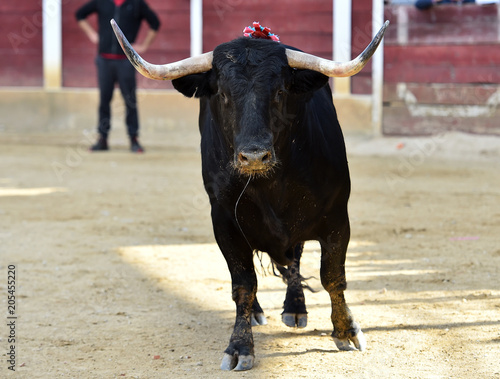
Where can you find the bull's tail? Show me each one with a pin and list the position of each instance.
(284, 275)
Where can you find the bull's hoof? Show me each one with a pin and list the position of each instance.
(258, 319)
(293, 320)
(237, 363)
(358, 340)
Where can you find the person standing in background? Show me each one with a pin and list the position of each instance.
(112, 64)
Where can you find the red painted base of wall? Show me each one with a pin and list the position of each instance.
(442, 70)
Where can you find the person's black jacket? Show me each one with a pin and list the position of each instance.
(128, 17)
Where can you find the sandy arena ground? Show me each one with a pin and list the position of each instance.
(118, 275)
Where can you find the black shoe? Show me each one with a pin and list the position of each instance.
(101, 145)
(135, 147)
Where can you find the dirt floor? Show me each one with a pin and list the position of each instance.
(118, 275)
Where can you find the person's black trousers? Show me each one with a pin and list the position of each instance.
(109, 72)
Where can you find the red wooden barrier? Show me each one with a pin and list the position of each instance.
(21, 43)
(442, 70)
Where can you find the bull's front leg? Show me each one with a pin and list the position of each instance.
(239, 355)
(333, 254)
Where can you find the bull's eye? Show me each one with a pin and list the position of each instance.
(279, 95)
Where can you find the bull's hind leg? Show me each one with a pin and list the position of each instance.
(258, 317)
(333, 253)
(294, 307)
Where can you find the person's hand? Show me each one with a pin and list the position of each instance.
(93, 37)
(141, 48)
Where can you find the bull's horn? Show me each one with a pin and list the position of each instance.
(329, 68)
(170, 71)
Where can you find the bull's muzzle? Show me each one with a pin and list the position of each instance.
(255, 161)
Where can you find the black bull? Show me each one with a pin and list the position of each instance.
(274, 166)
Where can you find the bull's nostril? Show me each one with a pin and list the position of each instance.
(255, 159)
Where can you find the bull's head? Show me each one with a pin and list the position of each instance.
(253, 87)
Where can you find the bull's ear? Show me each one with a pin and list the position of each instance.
(304, 81)
(197, 85)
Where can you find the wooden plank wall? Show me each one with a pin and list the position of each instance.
(305, 24)
(442, 70)
(21, 43)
